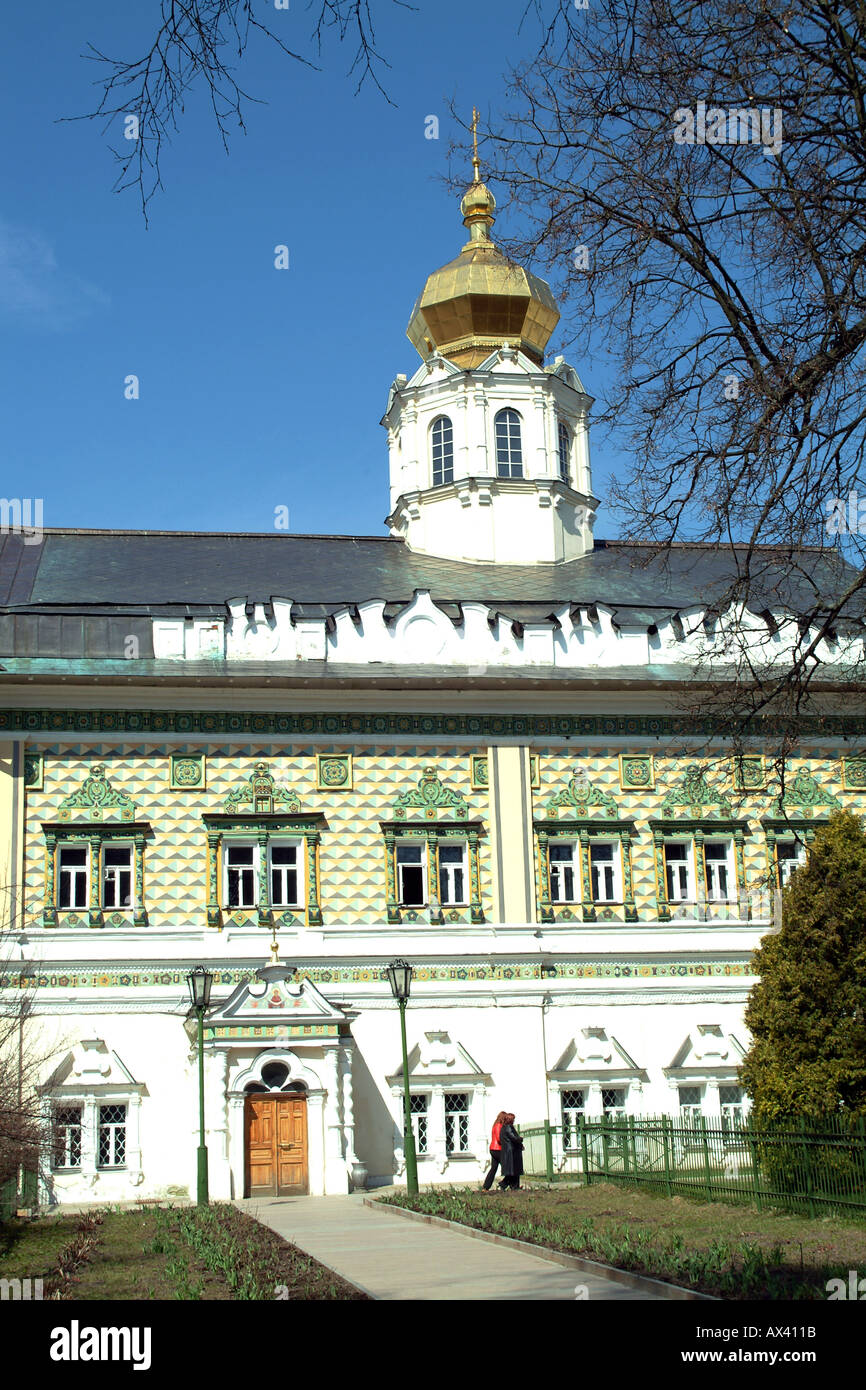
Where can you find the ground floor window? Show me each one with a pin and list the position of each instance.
(731, 1102)
(112, 1136)
(691, 1106)
(572, 1104)
(67, 1136)
(419, 1110)
(457, 1122)
(613, 1102)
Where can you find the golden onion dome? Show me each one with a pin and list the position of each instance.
(481, 300)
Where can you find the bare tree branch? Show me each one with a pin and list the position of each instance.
(201, 43)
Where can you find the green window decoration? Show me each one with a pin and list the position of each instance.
(94, 873)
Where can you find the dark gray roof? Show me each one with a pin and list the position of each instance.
(151, 572)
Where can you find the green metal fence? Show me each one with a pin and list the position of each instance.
(9, 1201)
(812, 1166)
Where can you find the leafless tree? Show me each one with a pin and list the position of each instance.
(725, 279)
(198, 45)
(23, 1062)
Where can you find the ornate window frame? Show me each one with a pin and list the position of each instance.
(432, 833)
(698, 829)
(263, 828)
(582, 832)
(94, 835)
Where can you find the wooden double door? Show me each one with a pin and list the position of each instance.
(275, 1132)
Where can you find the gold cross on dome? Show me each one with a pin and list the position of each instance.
(474, 128)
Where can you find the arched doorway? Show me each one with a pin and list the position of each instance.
(275, 1135)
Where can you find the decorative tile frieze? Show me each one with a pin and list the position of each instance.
(636, 772)
(334, 772)
(478, 773)
(34, 769)
(436, 973)
(854, 774)
(458, 725)
(188, 771)
(748, 772)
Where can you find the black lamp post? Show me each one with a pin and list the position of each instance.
(399, 974)
(199, 982)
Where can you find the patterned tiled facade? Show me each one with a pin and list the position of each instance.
(169, 791)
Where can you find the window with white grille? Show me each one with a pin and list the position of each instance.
(564, 873)
(419, 1107)
(457, 1122)
(678, 871)
(117, 876)
(452, 873)
(67, 1136)
(241, 875)
(613, 1102)
(72, 876)
(606, 872)
(719, 870)
(412, 875)
(731, 1101)
(573, 1103)
(284, 874)
(112, 1136)
(690, 1105)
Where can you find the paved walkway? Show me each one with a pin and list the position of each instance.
(393, 1258)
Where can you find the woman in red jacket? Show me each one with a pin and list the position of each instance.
(495, 1150)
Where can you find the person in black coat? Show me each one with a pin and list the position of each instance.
(512, 1154)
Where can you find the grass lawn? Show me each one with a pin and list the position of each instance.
(731, 1251)
(164, 1253)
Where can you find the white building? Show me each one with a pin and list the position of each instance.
(462, 744)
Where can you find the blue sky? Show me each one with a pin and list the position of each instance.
(258, 388)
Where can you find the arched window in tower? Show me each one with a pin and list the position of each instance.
(564, 451)
(442, 440)
(509, 457)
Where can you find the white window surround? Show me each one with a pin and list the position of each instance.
(92, 1076)
(443, 1123)
(440, 1067)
